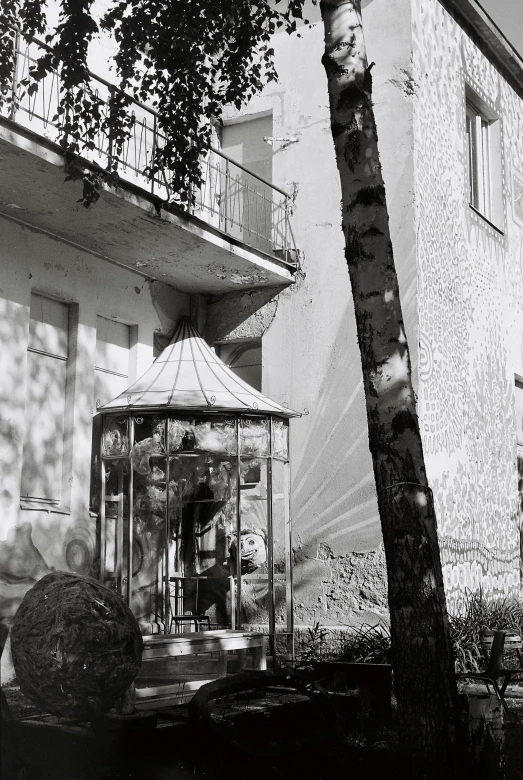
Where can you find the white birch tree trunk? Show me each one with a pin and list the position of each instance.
(422, 655)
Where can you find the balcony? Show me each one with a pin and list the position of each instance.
(237, 233)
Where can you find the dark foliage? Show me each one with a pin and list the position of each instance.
(367, 645)
(371, 644)
(482, 614)
(185, 59)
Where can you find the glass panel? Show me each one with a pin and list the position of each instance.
(253, 477)
(204, 512)
(254, 436)
(180, 434)
(472, 157)
(221, 478)
(147, 585)
(485, 158)
(115, 440)
(202, 477)
(280, 438)
(202, 578)
(110, 546)
(246, 202)
(116, 514)
(95, 488)
(149, 536)
(253, 548)
(150, 496)
(217, 436)
(112, 360)
(281, 545)
(149, 436)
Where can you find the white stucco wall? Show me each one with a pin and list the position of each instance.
(33, 262)
(460, 283)
(461, 291)
(310, 354)
(470, 311)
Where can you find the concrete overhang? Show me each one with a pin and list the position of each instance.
(489, 39)
(127, 226)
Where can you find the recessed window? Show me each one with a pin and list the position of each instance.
(45, 408)
(245, 359)
(479, 161)
(483, 130)
(113, 344)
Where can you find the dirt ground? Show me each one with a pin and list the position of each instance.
(45, 747)
(37, 746)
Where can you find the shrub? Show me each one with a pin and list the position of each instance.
(482, 614)
(312, 645)
(371, 643)
(367, 644)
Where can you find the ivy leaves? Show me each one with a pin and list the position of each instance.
(187, 59)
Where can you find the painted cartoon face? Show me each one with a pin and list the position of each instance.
(252, 548)
(253, 551)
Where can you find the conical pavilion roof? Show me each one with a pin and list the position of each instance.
(188, 375)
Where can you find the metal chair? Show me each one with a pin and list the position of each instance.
(494, 670)
(198, 620)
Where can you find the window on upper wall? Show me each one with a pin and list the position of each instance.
(483, 130)
(478, 161)
(245, 359)
(45, 408)
(111, 375)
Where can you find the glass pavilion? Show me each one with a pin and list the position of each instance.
(193, 498)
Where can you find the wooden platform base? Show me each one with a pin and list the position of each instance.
(162, 682)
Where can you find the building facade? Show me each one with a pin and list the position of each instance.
(448, 92)
(89, 296)
(469, 226)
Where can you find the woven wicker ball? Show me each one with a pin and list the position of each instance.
(76, 645)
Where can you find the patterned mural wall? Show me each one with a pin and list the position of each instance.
(470, 302)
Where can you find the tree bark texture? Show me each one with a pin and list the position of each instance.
(422, 654)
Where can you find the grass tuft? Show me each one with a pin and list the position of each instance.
(372, 643)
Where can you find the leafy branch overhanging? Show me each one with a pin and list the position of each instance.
(187, 60)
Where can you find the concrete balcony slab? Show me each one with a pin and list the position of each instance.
(127, 226)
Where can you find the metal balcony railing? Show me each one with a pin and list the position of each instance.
(232, 199)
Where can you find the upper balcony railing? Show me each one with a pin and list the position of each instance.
(232, 199)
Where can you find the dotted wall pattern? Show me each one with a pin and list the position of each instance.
(518, 196)
(470, 303)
